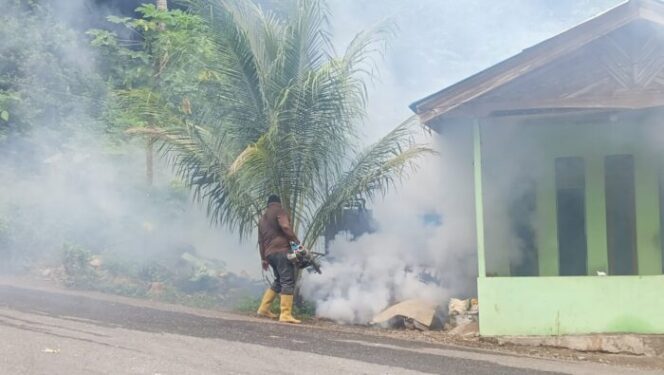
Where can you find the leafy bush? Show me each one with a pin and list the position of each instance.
(154, 272)
(120, 267)
(76, 263)
(198, 284)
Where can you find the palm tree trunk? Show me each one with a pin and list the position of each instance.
(149, 161)
(149, 148)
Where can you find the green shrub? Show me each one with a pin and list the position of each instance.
(76, 263)
(154, 272)
(120, 267)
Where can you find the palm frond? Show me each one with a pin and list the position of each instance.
(281, 118)
(199, 161)
(373, 173)
(240, 100)
(145, 107)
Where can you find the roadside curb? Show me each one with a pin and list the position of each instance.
(631, 344)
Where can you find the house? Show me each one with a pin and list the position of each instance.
(568, 158)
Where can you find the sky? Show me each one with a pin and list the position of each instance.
(440, 42)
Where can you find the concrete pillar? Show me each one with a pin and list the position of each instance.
(479, 200)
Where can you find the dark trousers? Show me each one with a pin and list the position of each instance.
(284, 273)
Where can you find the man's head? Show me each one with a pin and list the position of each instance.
(273, 199)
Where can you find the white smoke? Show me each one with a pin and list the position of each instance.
(424, 248)
(71, 185)
(439, 43)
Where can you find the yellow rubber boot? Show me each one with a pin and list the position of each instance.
(266, 303)
(287, 309)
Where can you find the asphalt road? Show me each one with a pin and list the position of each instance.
(48, 332)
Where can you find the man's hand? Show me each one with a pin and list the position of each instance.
(265, 265)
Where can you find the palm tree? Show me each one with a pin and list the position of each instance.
(162, 5)
(284, 120)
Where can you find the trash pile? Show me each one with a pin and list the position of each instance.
(411, 314)
(462, 317)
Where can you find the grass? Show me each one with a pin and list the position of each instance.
(305, 310)
(128, 279)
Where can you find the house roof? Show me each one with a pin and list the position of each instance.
(529, 60)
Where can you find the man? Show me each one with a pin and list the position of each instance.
(274, 237)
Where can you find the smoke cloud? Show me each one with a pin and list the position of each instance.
(424, 247)
(410, 255)
(58, 188)
(66, 183)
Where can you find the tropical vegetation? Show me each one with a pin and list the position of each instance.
(281, 114)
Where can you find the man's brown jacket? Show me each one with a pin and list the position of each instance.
(274, 231)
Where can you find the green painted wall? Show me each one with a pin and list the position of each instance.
(537, 146)
(571, 305)
(548, 304)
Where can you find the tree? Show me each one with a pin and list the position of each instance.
(155, 74)
(283, 119)
(162, 6)
(44, 81)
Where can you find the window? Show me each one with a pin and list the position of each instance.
(571, 213)
(620, 214)
(521, 213)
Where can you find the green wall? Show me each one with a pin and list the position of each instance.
(571, 305)
(550, 304)
(537, 146)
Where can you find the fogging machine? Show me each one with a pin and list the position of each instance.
(303, 258)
